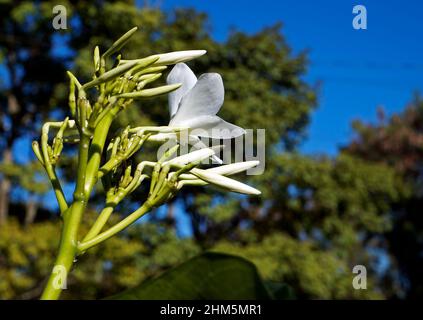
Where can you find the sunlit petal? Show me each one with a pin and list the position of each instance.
(204, 99)
(180, 73)
(212, 127)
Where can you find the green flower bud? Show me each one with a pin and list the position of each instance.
(150, 70)
(153, 77)
(120, 70)
(118, 44)
(148, 93)
(37, 151)
(96, 59)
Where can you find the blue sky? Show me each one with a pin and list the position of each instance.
(359, 69)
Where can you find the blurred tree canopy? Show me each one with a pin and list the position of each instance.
(318, 217)
(397, 141)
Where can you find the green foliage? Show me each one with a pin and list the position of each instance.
(325, 192)
(397, 142)
(28, 176)
(208, 276)
(27, 253)
(313, 272)
(318, 219)
(25, 256)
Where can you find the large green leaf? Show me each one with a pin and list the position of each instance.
(208, 276)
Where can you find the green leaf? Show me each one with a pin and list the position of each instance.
(208, 276)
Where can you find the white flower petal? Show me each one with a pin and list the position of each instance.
(204, 99)
(211, 127)
(180, 73)
(192, 140)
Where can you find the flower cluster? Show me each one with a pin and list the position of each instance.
(193, 105)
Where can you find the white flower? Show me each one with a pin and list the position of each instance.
(194, 107)
(170, 57)
(195, 104)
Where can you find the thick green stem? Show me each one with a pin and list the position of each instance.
(69, 238)
(97, 146)
(67, 251)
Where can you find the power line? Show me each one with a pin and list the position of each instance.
(369, 65)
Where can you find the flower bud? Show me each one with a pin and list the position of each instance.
(37, 151)
(178, 56)
(169, 153)
(151, 78)
(224, 182)
(195, 156)
(120, 70)
(118, 44)
(173, 57)
(234, 168)
(148, 93)
(150, 70)
(225, 170)
(96, 59)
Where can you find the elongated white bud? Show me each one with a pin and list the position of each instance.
(164, 129)
(234, 168)
(173, 57)
(178, 56)
(225, 170)
(162, 137)
(224, 182)
(195, 156)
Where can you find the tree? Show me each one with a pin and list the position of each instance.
(397, 142)
(26, 41)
